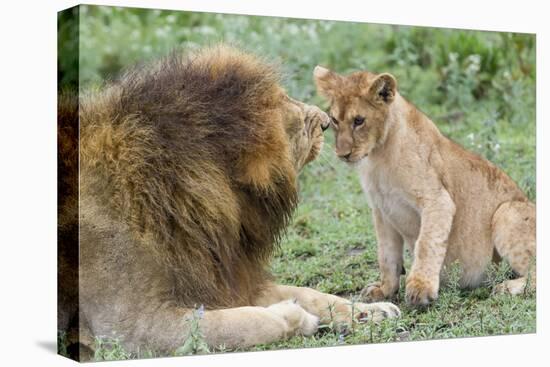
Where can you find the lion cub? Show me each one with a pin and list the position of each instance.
(426, 192)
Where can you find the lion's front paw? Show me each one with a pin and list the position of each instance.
(347, 313)
(377, 311)
(372, 293)
(308, 325)
(298, 320)
(420, 291)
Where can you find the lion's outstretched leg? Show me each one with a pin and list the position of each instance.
(327, 307)
(514, 239)
(166, 328)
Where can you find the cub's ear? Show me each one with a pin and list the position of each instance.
(327, 81)
(383, 89)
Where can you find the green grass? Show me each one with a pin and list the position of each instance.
(479, 87)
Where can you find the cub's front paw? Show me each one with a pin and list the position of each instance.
(377, 311)
(420, 291)
(372, 293)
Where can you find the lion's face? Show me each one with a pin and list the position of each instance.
(304, 126)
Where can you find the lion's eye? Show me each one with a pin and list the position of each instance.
(334, 121)
(358, 120)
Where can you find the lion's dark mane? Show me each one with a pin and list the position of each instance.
(166, 150)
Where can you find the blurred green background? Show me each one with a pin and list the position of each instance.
(478, 87)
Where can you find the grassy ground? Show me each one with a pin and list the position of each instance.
(479, 87)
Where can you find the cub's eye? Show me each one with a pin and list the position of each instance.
(334, 121)
(358, 120)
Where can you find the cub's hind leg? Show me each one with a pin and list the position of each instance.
(514, 227)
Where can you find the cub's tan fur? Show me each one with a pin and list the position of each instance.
(187, 179)
(426, 192)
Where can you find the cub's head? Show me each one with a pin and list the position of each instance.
(359, 108)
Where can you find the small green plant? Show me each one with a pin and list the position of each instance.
(530, 290)
(471, 54)
(109, 349)
(195, 342)
(62, 343)
(453, 274)
(460, 79)
(498, 273)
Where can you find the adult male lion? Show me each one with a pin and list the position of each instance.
(187, 179)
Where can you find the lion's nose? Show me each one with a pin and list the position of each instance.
(325, 124)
